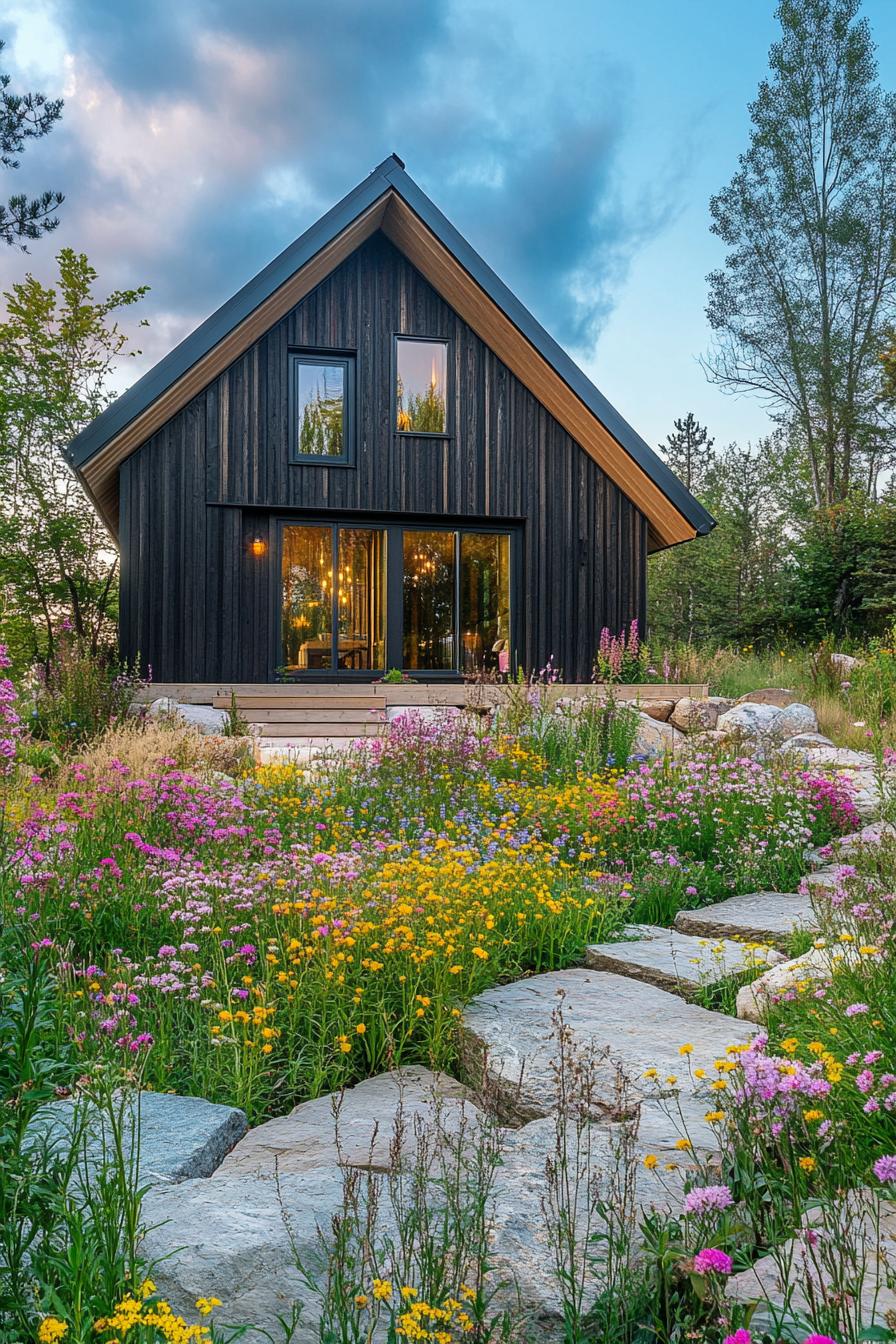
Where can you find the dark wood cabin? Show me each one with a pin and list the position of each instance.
(373, 457)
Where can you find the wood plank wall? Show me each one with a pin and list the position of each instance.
(198, 607)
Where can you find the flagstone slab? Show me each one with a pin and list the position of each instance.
(824, 879)
(677, 961)
(359, 1127)
(761, 916)
(790, 979)
(176, 1137)
(782, 1281)
(259, 1243)
(622, 1026)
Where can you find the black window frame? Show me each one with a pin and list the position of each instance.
(448, 431)
(348, 359)
(394, 528)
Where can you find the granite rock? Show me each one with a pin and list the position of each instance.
(760, 916)
(678, 961)
(693, 716)
(775, 696)
(177, 1137)
(623, 1026)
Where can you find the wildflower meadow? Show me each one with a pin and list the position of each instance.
(277, 933)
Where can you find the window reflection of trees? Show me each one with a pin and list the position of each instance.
(322, 411)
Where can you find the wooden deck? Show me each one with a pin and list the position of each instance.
(309, 713)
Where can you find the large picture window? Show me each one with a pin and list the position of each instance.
(358, 598)
(421, 386)
(321, 392)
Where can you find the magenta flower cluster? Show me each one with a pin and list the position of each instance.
(712, 1261)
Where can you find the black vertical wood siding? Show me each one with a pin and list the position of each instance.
(198, 607)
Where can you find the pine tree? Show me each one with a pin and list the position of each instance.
(24, 117)
(690, 452)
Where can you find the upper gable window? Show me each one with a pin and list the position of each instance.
(321, 391)
(421, 386)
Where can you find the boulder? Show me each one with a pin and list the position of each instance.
(794, 719)
(692, 715)
(748, 720)
(355, 1128)
(769, 695)
(861, 769)
(790, 978)
(204, 718)
(179, 1137)
(800, 743)
(509, 1035)
(832, 759)
(678, 961)
(763, 916)
(655, 738)
(866, 792)
(657, 709)
(253, 1242)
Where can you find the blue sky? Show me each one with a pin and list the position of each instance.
(575, 143)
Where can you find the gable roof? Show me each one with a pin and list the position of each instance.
(389, 199)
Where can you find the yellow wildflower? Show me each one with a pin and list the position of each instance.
(51, 1330)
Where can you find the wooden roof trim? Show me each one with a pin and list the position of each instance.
(100, 473)
(419, 244)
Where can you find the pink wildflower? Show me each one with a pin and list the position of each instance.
(712, 1261)
(706, 1197)
(885, 1168)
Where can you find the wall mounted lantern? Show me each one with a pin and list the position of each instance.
(258, 546)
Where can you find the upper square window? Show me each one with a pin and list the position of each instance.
(421, 386)
(321, 389)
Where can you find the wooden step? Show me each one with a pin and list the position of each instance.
(319, 702)
(305, 714)
(321, 730)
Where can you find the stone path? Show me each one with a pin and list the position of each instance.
(509, 1039)
(678, 961)
(241, 1226)
(761, 916)
(251, 1234)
